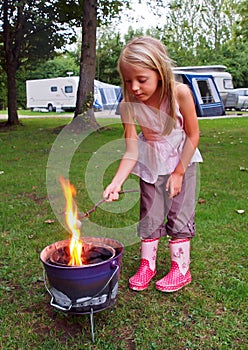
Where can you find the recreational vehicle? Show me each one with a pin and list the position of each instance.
(207, 98)
(222, 78)
(204, 90)
(61, 93)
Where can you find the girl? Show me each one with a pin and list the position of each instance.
(163, 155)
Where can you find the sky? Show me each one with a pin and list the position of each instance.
(141, 15)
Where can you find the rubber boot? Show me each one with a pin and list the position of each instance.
(147, 269)
(179, 275)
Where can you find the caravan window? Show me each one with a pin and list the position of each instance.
(205, 90)
(68, 89)
(228, 84)
(54, 88)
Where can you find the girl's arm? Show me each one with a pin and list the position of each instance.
(127, 162)
(191, 127)
(187, 108)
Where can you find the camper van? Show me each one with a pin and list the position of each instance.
(207, 98)
(208, 102)
(61, 94)
(223, 79)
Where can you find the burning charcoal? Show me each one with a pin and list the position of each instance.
(60, 256)
(90, 255)
(101, 252)
(98, 254)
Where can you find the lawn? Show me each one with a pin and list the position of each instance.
(210, 313)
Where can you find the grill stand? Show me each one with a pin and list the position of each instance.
(67, 303)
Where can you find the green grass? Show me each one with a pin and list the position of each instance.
(210, 313)
(30, 113)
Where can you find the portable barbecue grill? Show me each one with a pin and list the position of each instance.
(85, 289)
(90, 286)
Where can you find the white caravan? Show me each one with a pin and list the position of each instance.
(61, 93)
(223, 79)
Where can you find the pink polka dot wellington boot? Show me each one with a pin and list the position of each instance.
(147, 269)
(179, 275)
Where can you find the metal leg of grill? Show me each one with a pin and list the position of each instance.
(92, 325)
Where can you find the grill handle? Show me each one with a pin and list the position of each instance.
(61, 308)
(52, 301)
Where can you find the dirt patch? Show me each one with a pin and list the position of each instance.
(6, 127)
(35, 198)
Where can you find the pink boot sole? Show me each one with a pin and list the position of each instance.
(142, 278)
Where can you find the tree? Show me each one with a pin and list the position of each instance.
(195, 25)
(93, 13)
(31, 30)
(188, 36)
(241, 29)
(59, 66)
(85, 93)
(3, 91)
(109, 45)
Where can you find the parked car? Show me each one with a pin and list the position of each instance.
(237, 99)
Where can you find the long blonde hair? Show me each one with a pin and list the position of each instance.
(149, 53)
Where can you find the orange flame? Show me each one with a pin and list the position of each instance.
(71, 217)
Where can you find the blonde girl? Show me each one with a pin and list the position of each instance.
(164, 155)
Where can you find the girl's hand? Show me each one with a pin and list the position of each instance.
(111, 192)
(174, 184)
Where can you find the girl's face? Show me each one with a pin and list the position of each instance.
(143, 83)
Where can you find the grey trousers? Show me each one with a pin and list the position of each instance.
(161, 216)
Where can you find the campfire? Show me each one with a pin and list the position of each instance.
(81, 274)
(71, 216)
(77, 253)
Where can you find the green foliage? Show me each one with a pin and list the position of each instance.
(204, 34)
(108, 10)
(70, 11)
(3, 89)
(40, 33)
(194, 33)
(109, 46)
(188, 44)
(234, 56)
(241, 27)
(30, 33)
(57, 67)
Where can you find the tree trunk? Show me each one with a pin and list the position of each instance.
(12, 46)
(12, 96)
(85, 93)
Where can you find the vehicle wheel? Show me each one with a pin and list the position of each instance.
(50, 108)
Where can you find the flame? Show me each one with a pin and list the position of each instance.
(71, 218)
